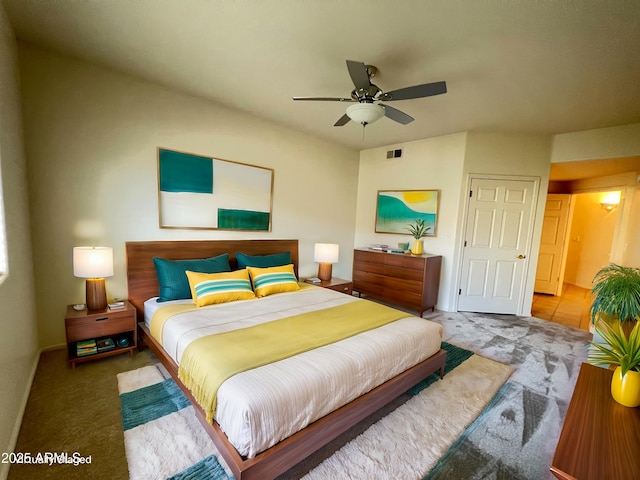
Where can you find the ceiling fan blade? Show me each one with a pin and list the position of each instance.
(397, 115)
(359, 74)
(417, 91)
(325, 99)
(343, 120)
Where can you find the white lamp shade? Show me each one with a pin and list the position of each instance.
(92, 262)
(326, 252)
(365, 112)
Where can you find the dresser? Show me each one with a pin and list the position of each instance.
(600, 438)
(410, 281)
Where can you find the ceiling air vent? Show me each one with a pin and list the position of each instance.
(397, 153)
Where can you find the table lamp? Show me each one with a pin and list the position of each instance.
(94, 263)
(325, 254)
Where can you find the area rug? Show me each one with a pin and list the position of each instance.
(516, 436)
(164, 439)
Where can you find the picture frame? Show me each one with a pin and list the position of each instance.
(204, 192)
(397, 209)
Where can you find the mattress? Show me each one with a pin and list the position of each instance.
(258, 408)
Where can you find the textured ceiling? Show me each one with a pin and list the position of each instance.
(542, 67)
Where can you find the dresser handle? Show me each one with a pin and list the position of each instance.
(101, 319)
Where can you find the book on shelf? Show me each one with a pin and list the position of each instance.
(82, 353)
(86, 347)
(116, 306)
(105, 344)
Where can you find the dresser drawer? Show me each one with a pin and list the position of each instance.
(360, 276)
(402, 285)
(403, 272)
(362, 266)
(370, 257)
(405, 261)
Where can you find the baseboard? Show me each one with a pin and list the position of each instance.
(53, 347)
(4, 467)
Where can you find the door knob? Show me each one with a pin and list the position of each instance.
(521, 256)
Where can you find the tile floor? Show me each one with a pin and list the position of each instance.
(570, 309)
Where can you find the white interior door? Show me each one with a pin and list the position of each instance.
(552, 244)
(498, 227)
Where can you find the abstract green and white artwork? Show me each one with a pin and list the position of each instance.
(201, 192)
(397, 209)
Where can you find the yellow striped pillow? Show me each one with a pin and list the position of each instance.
(267, 281)
(210, 288)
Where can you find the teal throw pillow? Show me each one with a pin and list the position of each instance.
(174, 284)
(263, 261)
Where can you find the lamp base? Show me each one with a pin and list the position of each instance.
(324, 271)
(96, 294)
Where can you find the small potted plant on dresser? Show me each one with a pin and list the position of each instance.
(418, 230)
(615, 311)
(622, 351)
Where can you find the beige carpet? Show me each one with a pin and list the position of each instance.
(76, 411)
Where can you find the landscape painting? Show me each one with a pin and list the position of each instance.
(202, 192)
(397, 209)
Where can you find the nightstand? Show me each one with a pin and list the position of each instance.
(100, 324)
(337, 284)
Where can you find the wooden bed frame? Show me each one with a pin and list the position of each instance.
(143, 284)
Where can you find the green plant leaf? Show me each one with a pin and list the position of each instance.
(619, 349)
(616, 293)
(418, 229)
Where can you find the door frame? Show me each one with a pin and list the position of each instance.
(532, 247)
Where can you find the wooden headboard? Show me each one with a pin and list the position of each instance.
(142, 282)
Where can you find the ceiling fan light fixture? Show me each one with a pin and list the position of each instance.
(365, 113)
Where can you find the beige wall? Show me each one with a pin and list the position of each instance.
(590, 240)
(632, 241)
(612, 142)
(434, 163)
(18, 340)
(91, 137)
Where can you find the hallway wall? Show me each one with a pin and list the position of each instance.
(590, 240)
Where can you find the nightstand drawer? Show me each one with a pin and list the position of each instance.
(342, 287)
(99, 326)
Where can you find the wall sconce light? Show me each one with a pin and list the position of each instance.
(325, 254)
(608, 206)
(610, 201)
(94, 263)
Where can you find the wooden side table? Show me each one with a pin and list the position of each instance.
(98, 324)
(337, 284)
(600, 438)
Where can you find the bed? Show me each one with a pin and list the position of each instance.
(281, 449)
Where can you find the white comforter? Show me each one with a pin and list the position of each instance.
(258, 408)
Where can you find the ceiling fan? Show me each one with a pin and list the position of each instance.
(366, 97)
